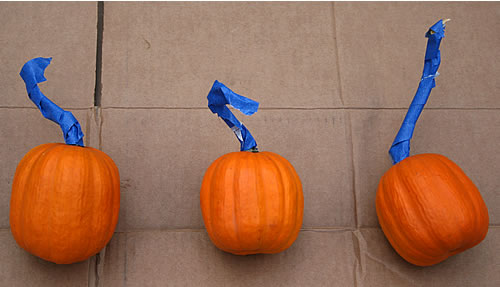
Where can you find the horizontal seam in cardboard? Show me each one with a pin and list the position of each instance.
(304, 108)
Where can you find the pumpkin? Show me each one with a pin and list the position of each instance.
(252, 203)
(65, 202)
(429, 209)
(65, 197)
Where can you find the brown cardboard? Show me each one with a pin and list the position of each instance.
(64, 31)
(372, 134)
(382, 46)
(188, 258)
(93, 128)
(162, 155)
(23, 129)
(169, 54)
(18, 268)
(113, 263)
(464, 136)
(382, 266)
(334, 81)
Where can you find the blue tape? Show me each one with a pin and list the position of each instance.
(32, 74)
(400, 148)
(220, 96)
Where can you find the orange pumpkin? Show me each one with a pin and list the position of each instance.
(429, 209)
(65, 202)
(252, 203)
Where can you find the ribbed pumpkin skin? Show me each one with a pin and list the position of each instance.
(430, 210)
(65, 202)
(252, 203)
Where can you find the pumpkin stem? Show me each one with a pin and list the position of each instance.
(33, 73)
(220, 96)
(254, 150)
(400, 148)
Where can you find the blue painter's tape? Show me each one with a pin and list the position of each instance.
(33, 73)
(400, 148)
(220, 96)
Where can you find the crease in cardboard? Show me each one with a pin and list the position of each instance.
(350, 146)
(100, 262)
(125, 259)
(391, 269)
(363, 257)
(359, 245)
(100, 122)
(93, 123)
(95, 269)
(324, 230)
(88, 138)
(337, 57)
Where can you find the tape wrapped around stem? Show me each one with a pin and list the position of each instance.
(220, 96)
(33, 73)
(400, 148)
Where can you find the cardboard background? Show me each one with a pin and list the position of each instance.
(333, 80)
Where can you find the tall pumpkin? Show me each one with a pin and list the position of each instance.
(65, 197)
(251, 201)
(427, 207)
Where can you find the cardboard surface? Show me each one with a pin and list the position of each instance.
(188, 258)
(168, 54)
(20, 269)
(477, 266)
(65, 31)
(23, 129)
(159, 62)
(452, 133)
(355, 258)
(382, 46)
(162, 161)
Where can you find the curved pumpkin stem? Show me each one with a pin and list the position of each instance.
(400, 148)
(220, 96)
(33, 73)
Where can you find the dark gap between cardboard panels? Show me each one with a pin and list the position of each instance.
(98, 60)
(96, 264)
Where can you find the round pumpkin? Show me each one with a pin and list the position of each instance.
(429, 209)
(65, 202)
(252, 203)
